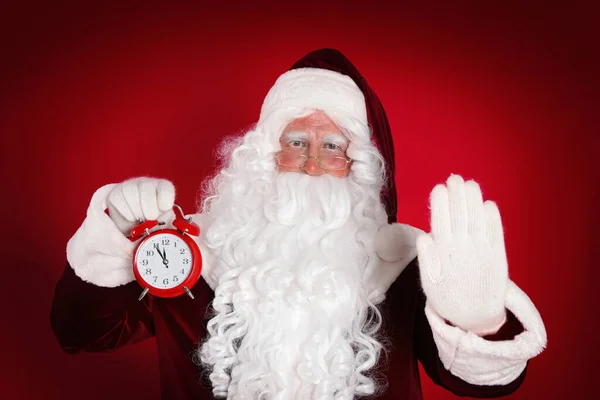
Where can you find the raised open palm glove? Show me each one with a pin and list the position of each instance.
(463, 266)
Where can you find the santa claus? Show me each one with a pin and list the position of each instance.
(310, 288)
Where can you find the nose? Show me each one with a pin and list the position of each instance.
(312, 167)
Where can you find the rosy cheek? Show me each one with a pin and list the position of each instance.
(281, 168)
(340, 174)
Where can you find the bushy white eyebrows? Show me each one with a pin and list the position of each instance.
(331, 138)
(336, 139)
(295, 136)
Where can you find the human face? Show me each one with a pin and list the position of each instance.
(315, 135)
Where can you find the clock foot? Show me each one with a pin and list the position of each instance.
(143, 294)
(188, 292)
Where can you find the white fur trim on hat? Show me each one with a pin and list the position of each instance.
(315, 88)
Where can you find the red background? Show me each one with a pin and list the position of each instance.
(505, 94)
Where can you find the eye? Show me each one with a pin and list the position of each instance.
(296, 144)
(332, 146)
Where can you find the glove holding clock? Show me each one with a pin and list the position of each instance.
(166, 262)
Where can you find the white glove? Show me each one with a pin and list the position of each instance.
(464, 271)
(140, 199)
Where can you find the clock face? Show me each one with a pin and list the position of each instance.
(164, 260)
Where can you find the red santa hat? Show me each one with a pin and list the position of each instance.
(325, 79)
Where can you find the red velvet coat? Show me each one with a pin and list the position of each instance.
(89, 318)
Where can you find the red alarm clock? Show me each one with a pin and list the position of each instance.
(167, 262)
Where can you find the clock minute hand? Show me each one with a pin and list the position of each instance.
(164, 257)
(165, 261)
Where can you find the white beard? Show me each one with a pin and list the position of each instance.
(292, 319)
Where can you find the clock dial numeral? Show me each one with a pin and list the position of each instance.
(144, 262)
(181, 251)
(149, 253)
(166, 281)
(148, 271)
(185, 261)
(182, 271)
(175, 278)
(165, 242)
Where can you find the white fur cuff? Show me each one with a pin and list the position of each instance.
(482, 362)
(98, 252)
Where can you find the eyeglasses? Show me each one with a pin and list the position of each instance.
(299, 161)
